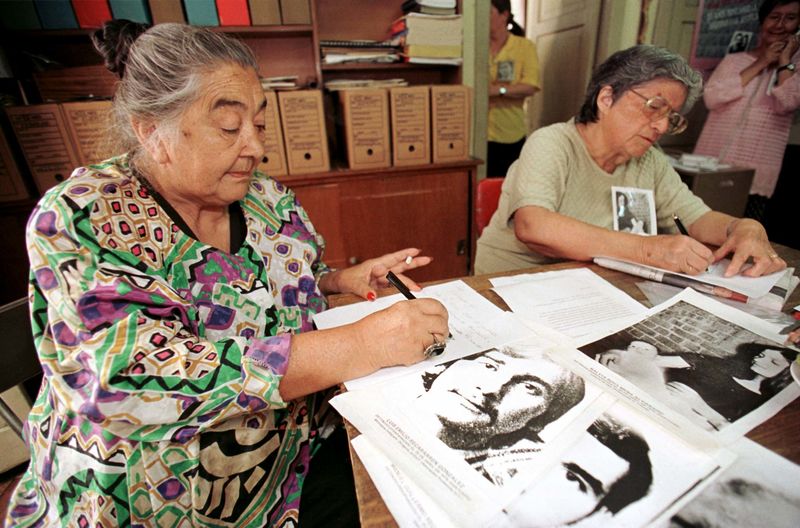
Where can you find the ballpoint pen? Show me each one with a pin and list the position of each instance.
(438, 346)
(680, 225)
(397, 283)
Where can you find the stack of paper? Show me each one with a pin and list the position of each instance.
(515, 426)
(431, 38)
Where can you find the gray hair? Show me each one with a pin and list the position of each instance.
(631, 67)
(162, 70)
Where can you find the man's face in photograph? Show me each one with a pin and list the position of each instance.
(493, 392)
(583, 477)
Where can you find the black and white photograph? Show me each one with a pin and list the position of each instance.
(740, 41)
(634, 210)
(476, 431)
(493, 407)
(623, 471)
(758, 489)
(709, 369)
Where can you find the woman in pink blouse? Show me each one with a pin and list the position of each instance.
(751, 97)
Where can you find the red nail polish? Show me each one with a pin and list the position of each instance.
(371, 296)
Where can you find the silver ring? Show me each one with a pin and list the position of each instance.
(435, 349)
(773, 256)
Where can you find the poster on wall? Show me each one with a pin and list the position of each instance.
(723, 26)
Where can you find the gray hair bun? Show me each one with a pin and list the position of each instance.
(114, 40)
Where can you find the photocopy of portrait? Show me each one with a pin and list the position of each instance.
(634, 210)
(623, 471)
(759, 489)
(709, 369)
(493, 406)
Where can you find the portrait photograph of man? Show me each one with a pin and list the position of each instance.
(493, 406)
(623, 471)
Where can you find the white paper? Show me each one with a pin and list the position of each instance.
(576, 302)
(475, 323)
(408, 504)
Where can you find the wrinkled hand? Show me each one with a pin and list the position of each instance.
(788, 51)
(676, 253)
(364, 278)
(400, 334)
(772, 53)
(747, 239)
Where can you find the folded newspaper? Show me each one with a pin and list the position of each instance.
(769, 291)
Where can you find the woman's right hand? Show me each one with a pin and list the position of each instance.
(676, 253)
(771, 53)
(399, 334)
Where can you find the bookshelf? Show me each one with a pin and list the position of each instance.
(358, 212)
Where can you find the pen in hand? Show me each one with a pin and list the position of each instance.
(680, 225)
(402, 288)
(397, 283)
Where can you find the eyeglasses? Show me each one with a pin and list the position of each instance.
(657, 107)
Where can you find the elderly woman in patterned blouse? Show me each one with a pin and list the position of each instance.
(171, 291)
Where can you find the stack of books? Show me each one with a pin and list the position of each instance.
(341, 51)
(430, 7)
(431, 39)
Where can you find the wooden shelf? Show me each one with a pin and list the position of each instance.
(296, 30)
(382, 66)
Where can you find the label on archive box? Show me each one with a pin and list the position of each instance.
(450, 107)
(366, 126)
(274, 161)
(411, 125)
(304, 131)
(89, 124)
(43, 136)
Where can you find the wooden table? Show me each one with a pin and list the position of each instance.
(781, 433)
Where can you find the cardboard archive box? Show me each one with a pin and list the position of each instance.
(303, 123)
(274, 161)
(411, 125)
(450, 108)
(42, 133)
(365, 115)
(89, 125)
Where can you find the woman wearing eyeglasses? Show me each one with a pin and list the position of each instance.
(752, 97)
(557, 203)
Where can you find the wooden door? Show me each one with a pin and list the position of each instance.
(565, 33)
(670, 24)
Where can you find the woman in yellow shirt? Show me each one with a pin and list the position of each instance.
(513, 76)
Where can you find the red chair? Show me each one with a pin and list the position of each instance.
(488, 194)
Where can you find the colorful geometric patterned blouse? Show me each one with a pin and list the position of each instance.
(162, 358)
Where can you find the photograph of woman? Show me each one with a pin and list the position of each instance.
(714, 384)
